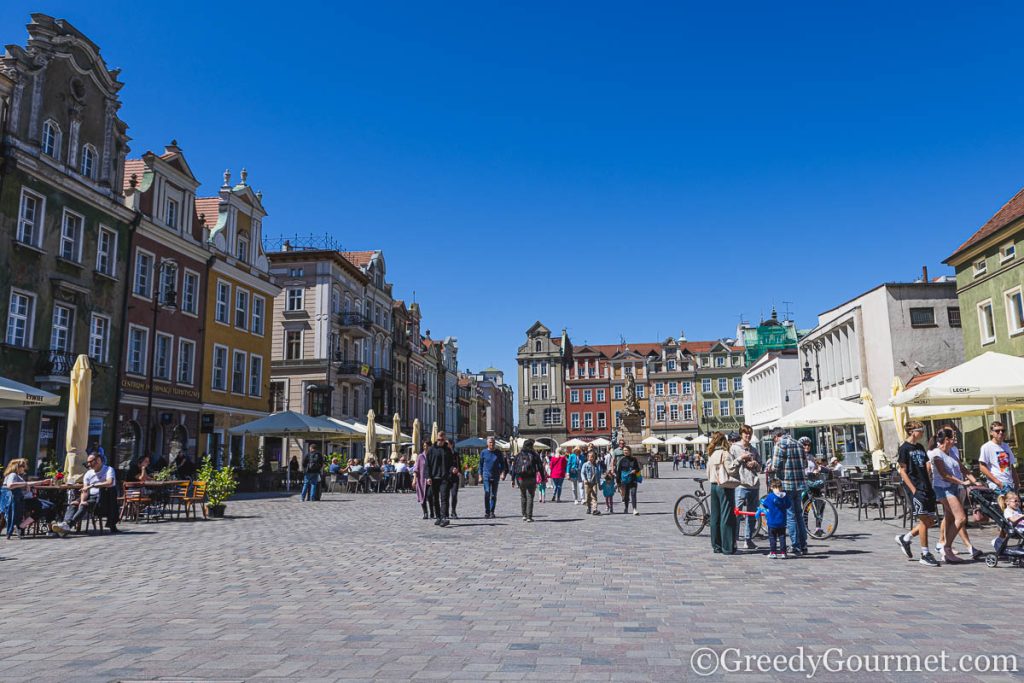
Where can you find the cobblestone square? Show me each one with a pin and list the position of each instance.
(358, 587)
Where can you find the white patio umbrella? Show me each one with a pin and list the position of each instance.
(572, 443)
(503, 445)
(699, 440)
(396, 434)
(676, 441)
(653, 441)
(601, 442)
(371, 433)
(541, 446)
(79, 406)
(17, 395)
(433, 433)
(873, 428)
(417, 438)
(992, 379)
(295, 425)
(827, 411)
(899, 413)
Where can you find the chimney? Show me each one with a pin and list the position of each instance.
(924, 273)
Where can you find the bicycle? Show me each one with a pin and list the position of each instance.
(825, 515)
(691, 510)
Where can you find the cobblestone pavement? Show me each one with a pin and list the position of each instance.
(359, 587)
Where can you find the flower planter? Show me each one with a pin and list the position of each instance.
(216, 511)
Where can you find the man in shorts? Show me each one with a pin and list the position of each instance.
(996, 461)
(913, 462)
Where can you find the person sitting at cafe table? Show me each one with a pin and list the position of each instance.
(139, 470)
(32, 507)
(98, 490)
(184, 468)
(357, 473)
(837, 468)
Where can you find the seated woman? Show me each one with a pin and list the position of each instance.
(32, 507)
(357, 473)
(403, 474)
(372, 468)
(139, 471)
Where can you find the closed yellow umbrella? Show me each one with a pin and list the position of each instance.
(371, 434)
(79, 402)
(433, 433)
(396, 427)
(416, 437)
(873, 428)
(899, 413)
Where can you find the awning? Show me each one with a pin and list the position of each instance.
(17, 395)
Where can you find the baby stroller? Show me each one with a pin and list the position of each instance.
(1010, 548)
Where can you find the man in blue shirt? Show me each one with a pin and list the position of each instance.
(492, 467)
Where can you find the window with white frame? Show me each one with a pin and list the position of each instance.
(600, 396)
(687, 388)
(708, 411)
(705, 385)
(143, 284)
(169, 284)
(171, 213)
(238, 372)
(723, 384)
(20, 318)
(279, 393)
(186, 361)
(552, 416)
(294, 301)
(719, 361)
(51, 139)
(617, 392)
(688, 412)
(138, 337)
(544, 368)
(671, 364)
(106, 251)
(222, 302)
(190, 292)
(588, 420)
(99, 333)
(588, 396)
(739, 406)
(242, 249)
(259, 312)
(618, 419)
(705, 361)
(61, 328)
(574, 420)
(574, 396)
(643, 420)
(986, 322)
(659, 388)
(255, 376)
(71, 230)
(723, 408)
(673, 412)
(293, 344)
(640, 390)
(241, 308)
(1015, 311)
(737, 384)
(659, 412)
(543, 392)
(535, 392)
(30, 218)
(980, 267)
(218, 378)
(737, 361)
(162, 356)
(87, 167)
(534, 368)
(602, 421)
(296, 272)
(1007, 252)
(673, 388)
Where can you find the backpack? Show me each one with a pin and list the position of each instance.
(525, 466)
(574, 467)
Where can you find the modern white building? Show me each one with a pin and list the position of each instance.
(772, 389)
(893, 330)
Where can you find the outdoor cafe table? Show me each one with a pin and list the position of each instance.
(869, 492)
(160, 492)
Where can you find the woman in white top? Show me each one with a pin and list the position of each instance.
(14, 481)
(948, 480)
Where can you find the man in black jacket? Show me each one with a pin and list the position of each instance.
(440, 468)
(525, 468)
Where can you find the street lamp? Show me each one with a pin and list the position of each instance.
(817, 344)
(163, 299)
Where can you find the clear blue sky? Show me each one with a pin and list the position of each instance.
(615, 168)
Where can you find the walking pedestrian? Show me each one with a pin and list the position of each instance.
(576, 461)
(455, 481)
(590, 476)
(611, 458)
(948, 481)
(559, 464)
(608, 490)
(748, 493)
(628, 470)
(422, 483)
(723, 473)
(527, 467)
(996, 461)
(441, 468)
(913, 462)
(312, 467)
(788, 464)
(493, 467)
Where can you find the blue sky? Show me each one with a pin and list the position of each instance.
(614, 168)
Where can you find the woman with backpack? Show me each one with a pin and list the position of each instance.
(576, 461)
(723, 473)
(628, 473)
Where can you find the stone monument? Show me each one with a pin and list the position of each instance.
(632, 430)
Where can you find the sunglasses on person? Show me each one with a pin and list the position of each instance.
(998, 431)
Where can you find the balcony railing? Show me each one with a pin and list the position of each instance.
(351, 367)
(383, 375)
(350, 319)
(55, 363)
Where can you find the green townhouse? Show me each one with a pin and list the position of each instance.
(989, 281)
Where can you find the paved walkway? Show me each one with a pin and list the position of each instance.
(359, 587)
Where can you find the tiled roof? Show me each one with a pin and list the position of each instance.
(209, 206)
(645, 348)
(1011, 211)
(360, 259)
(917, 379)
(136, 166)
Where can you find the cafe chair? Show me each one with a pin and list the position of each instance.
(188, 501)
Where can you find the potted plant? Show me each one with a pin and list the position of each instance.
(471, 462)
(220, 484)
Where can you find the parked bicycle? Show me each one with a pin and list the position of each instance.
(691, 510)
(817, 509)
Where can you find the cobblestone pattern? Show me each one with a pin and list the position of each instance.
(358, 587)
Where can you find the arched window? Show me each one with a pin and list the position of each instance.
(51, 139)
(536, 346)
(88, 165)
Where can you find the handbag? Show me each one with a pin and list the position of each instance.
(721, 474)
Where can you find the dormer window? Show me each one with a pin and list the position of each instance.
(242, 249)
(51, 139)
(171, 214)
(88, 165)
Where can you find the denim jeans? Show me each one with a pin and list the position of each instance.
(556, 493)
(747, 500)
(490, 495)
(795, 524)
(310, 486)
